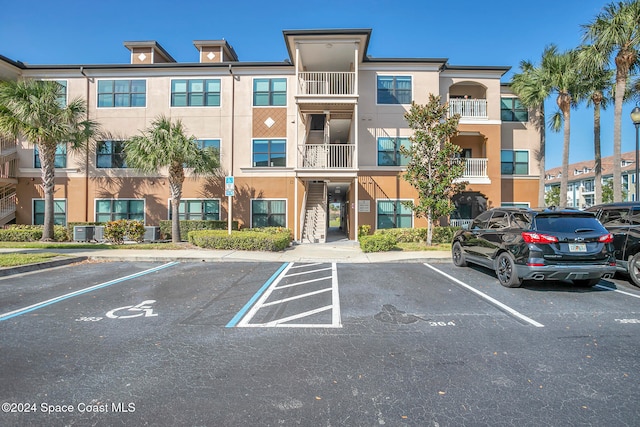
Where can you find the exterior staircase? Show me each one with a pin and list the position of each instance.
(8, 180)
(315, 215)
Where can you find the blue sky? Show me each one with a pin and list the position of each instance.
(491, 32)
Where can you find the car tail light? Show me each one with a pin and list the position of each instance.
(607, 238)
(533, 237)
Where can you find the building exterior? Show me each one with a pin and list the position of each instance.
(581, 184)
(323, 126)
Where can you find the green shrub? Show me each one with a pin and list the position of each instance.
(444, 234)
(377, 243)
(408, 235)
(116, 231)
(31, 233)
(251, 240)
(192, 225)
(364, 230)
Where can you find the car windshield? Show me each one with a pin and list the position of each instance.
(567, 223)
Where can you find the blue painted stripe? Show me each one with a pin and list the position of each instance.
(51, 301)
(233, 322)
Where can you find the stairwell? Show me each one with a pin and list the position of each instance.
(315, 220)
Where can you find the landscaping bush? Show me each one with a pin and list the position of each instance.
(31, 233)
(364, 230)
(378, 243)
(251, 240)
(407, 235)
(192, 225)
(116, 231)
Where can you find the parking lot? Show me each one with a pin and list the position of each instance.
(317, 343)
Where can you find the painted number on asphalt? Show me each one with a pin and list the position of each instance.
(451, 323)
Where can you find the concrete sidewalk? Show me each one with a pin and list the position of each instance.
(343, 251)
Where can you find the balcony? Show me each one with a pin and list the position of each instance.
(326, 156)
(468, 108)
(475, 171)
(326, 83)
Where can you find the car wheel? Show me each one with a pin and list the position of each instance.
(506, 271)
(457, 255)
(587, 283)
(634, 269)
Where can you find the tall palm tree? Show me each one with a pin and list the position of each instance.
(533, 89)
(566, 81)
(32, 109)
(615, 32)
(165, 145)
(598, 86)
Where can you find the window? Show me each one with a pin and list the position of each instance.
(393, 214)
(195, 93)
(122, 93)
(512, 110)
(110, 154)
(499, 220)
(389, 151)
(269, 152)
(61, 156)
(271, 92)
(394, 89)
(268, 213)
(59, 212)
(209, 143)
(514, 162)
(481, 221)
(198, 209)
(62, 97)
(112, 209)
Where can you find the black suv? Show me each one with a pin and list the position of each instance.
(538, 244)
(623, 221)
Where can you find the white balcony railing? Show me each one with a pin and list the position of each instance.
(474, 167)
(468, 108)
(458, 222)
(326, 156)
(326, 83)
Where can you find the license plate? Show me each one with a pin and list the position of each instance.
(577, 247)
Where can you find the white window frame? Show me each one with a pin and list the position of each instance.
(66, 209)
(146, 94)
(286, 207)
(219, 200)
(385, 199)
(96, 200)
(393, 75)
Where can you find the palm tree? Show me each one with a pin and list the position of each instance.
(599, 84)
(615, 31)
(165, 145)
(32, 109)
(566, 80)
(532, 89)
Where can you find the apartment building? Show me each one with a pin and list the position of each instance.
(323, 126)
(581, 192)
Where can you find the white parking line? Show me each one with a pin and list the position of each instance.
(618, 290)
(488, 298)
(287, 321)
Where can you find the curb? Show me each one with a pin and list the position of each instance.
(57, 262)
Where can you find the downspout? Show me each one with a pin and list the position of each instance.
(86, 172)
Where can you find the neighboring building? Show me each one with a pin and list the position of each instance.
(324, 126)
(581, 188)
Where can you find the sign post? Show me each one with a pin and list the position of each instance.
(229, 190)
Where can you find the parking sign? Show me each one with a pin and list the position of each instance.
(229, 186)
